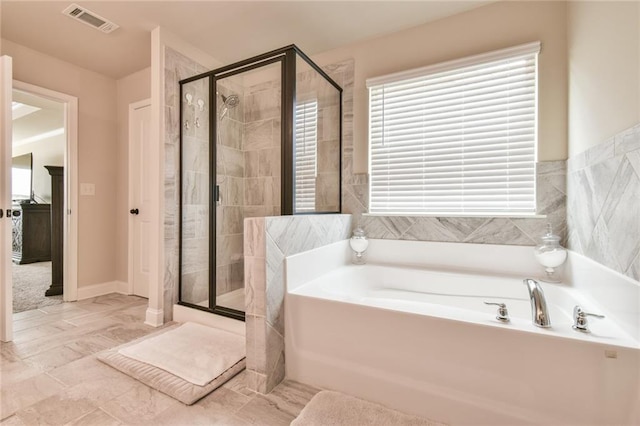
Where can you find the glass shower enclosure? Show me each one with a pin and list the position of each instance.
(261, 137)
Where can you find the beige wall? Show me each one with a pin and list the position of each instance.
(487, 28)
(47, 152)
(96, 154)
(132, 88)
(604, 71)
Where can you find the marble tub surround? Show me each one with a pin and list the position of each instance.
(267, 242)
(604, 203)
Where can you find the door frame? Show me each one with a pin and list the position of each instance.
(6, 282)
(131, 170)
(70, 223)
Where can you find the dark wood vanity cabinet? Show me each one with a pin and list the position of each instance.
(31, 236)
(57, 223)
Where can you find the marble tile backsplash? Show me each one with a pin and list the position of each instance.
(604, 203)
(268, 240)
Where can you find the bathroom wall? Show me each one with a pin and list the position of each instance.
(493, 26)
(604, 133)
(267, 241)
(603, 41)
(97, 137)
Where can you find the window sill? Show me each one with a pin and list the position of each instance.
(470, 215)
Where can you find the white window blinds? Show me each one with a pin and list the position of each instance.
(306, 121)
(456, 138)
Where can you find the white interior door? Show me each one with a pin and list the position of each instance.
(140, 188)
(6, 290)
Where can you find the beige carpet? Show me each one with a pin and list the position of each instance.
(30, 281)
(329, 408)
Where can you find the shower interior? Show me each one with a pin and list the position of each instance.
(261, 137)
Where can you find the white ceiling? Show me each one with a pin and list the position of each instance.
(228, 30)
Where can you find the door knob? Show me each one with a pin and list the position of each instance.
(134, 211)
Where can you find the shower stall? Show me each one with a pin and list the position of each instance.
(261, 137)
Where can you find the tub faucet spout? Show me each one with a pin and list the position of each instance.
(539, 312)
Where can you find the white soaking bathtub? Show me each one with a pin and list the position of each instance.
(410, 330)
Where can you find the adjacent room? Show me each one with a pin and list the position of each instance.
(320, 212)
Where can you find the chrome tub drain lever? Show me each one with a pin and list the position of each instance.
(503, 313)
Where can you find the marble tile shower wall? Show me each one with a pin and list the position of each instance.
(177, 67)
(195, 199)
(604, 203)
(230, 178)
(261, 147)
(267, 241)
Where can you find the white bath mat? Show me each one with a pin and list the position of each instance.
(193, 352)
(328, 408)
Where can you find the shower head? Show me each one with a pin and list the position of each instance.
(230, 101)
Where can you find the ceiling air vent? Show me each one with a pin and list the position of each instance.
(90, 18)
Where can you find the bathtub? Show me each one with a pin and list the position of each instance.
(410, 330)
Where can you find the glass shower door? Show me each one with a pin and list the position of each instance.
(248, 172)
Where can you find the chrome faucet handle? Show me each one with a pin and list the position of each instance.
(503, 313)
(580, 319)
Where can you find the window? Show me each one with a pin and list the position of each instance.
(456, 138)
(306, 130)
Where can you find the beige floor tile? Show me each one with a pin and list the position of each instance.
(85, 370)
(7, 353)
(58, 409)
(124, 333)
(41, 331)
(291, 397)
(13, 372)
(239, 384)
(18, 316)
(216, 408)
(92, 344)
(19, 395)
(95, 418)
(261, 411)
(54, 358)
(13, 421)
(139, 405)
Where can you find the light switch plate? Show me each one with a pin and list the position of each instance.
(87, 189)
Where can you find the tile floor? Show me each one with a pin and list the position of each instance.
(49, 375)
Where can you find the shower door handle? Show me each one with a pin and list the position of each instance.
(134, 211)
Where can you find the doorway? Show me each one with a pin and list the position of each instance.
(58, 127)
(38, 146)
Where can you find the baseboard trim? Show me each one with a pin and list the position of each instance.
(154, 317)
(101, 289)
